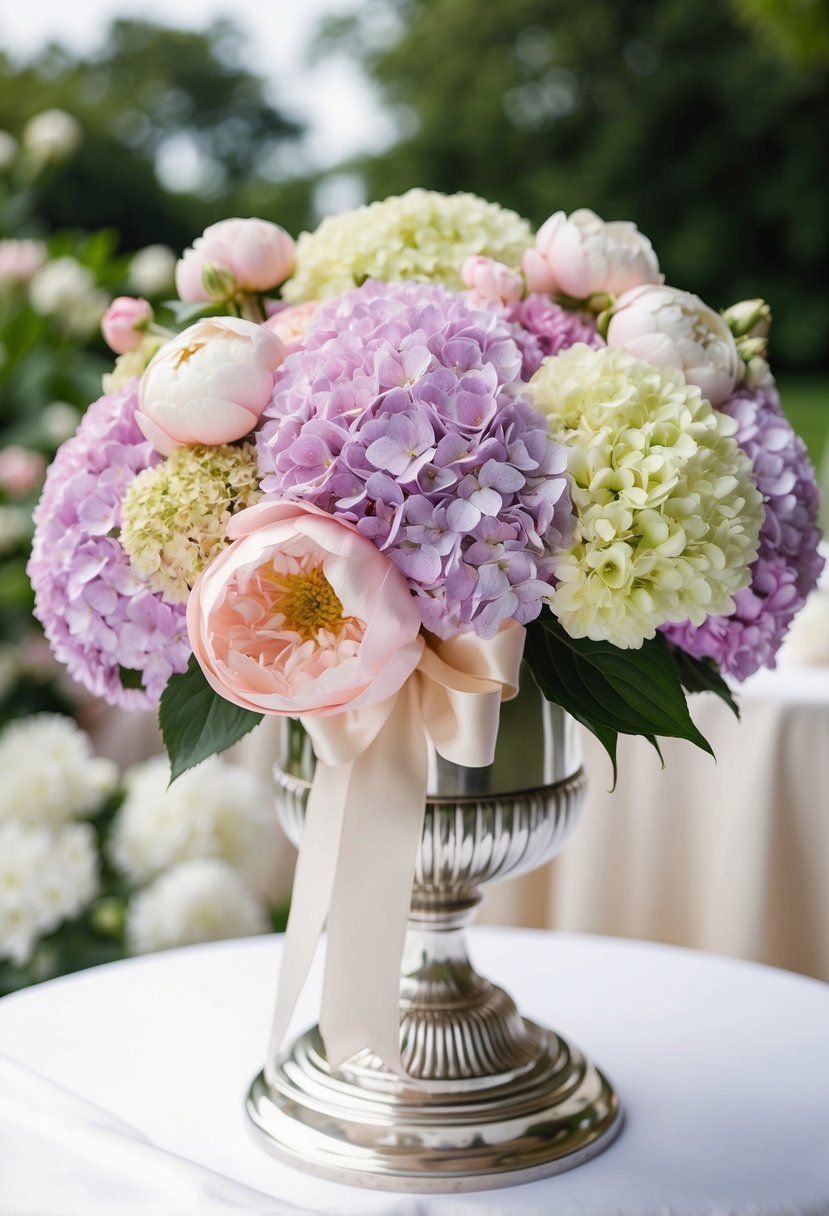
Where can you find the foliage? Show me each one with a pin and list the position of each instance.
(667, 114)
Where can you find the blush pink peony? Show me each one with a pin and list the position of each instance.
(302, 615)
(582, 255)
(491, 280)
(290, 322)
(235, 255)
(124, 322)
(209, 385)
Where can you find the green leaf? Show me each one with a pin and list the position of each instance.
(609, 690)
(196, 722)
(130, 678)
(702, 675)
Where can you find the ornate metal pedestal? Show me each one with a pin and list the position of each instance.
(493, 1099)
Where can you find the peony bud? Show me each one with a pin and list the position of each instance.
(255, 255)
(209, 385)
(749, 319)
(123, 323)
(492, 280)
(582, 256)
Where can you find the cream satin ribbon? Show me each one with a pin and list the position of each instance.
(362, 833)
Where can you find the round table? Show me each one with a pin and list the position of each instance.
(722, 1067)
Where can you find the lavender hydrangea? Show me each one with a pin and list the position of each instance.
(102, 620)
(788, 564)
(542, 328)
(403, 414)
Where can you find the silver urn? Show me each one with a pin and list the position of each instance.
(494, 1099)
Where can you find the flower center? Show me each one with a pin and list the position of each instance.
(187, 352)
(308, 602)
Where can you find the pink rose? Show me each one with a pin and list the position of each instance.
(673, 328)
(491, 280)
(123, 323)
(290, 322)
(235, 255)
(583, 256)
(21, 470)
(209, 385)
(302, 615)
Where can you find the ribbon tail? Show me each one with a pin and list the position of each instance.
(311, 898)
(372, 892)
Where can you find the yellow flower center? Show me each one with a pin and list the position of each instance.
(308, 602)
(187, 352)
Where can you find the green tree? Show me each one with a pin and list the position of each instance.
(667, 113)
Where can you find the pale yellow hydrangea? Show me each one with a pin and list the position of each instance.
(175, 515)
(668, 512)
(420, 235)
(132, 364)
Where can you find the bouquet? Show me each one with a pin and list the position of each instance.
(382, 466)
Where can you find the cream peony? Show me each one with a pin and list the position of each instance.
(209, 385)
(582, 256)
(668, 514)
(196, 901)
(235, 255)
(673, 328)
(302, 615)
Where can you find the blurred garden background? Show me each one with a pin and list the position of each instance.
(122, 138)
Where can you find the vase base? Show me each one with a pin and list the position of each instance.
(365, 1126)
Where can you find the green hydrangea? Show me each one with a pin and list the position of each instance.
(175, 515)
(668, 514)
(420, 235)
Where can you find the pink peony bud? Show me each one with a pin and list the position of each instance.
(491, 280)
(235, 255)
(581, 256)
(123, 323)
(209, 385)
(21, 470)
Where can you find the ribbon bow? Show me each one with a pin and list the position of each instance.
(363, 827)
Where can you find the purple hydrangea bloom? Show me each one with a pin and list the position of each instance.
(788, 564)
(97, 614)
(402, 413)
(542, 328)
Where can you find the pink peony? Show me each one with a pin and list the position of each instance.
(673, 328)
(491, 280)
(238, 255)
(19, 260)
(209, 385)
(123, 323)
(582, 256)
(290, 322)
(302, 615)
(21, 469)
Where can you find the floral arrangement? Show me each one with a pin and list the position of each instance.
(94, 866)
(416, 423)
(379, 469)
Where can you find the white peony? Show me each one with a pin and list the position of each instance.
(582, 255)
(196, 901)
(64, 287)
(46, 877)
(672, 328)
(49, 772)
(217, 810)
(152, 269)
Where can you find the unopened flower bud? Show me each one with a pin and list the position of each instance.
(218, 282)
(749, 319)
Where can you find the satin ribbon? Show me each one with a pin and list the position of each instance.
(362, 833)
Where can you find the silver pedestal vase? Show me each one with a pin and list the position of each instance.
(495, 1099)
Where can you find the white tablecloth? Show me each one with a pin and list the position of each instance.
(723, 1068)
(730, 856)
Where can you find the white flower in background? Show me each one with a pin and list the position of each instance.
(8, 149)
(216, 810)
(51, 136)
(197, 901)
(582, 255)
(673, 328)
(152, 270)
(46, 877)
(49, 772)
(14, 526)
(59, 421)
(61, 285)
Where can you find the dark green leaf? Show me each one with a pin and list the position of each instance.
(130, 678)
(702, 675)
(196, 722)
(609, 690)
